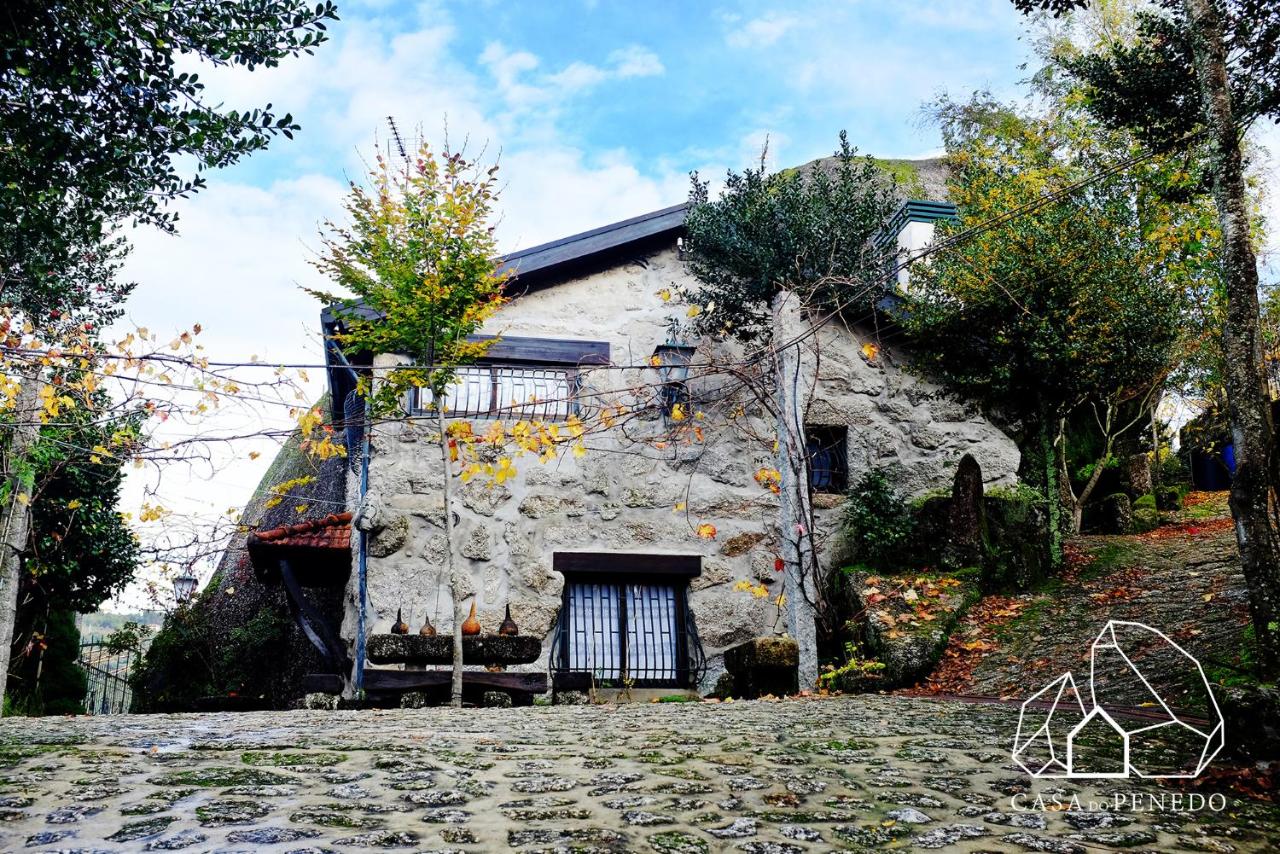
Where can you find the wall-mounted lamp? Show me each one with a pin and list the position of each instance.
(672, 361)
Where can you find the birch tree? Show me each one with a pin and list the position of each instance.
(419, 253)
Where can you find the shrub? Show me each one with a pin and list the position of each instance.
(877, 523)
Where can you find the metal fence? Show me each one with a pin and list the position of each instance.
(108, 671)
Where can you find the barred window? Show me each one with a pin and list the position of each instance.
(828, 458)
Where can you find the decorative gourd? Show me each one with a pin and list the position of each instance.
(471, 626)
(508, 627)
(427, 630)
(400, 627)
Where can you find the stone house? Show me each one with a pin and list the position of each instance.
(597, 555)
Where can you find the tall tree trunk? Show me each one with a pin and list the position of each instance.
(1044, 470)
(455, 585)
(795, 505)
(15, 520)
(1247, 402)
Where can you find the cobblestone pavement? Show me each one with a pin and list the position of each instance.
(792, 776)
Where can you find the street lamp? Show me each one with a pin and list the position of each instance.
(672, 361)
(184, 586)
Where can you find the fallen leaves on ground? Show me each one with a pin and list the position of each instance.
(973, 640)
(1256, 782)
(1204, 528)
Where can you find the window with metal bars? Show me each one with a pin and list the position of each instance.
(828, 458)
(626, 629)
(508, 391)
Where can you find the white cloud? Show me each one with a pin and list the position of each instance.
(244, 247)
(760, 32)
(520, 87)
(635, 61)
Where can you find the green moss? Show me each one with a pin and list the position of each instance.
(317, 758)
(679, 698)
(12, 754)
(135, 830)
(1148, 501)
(330, 816)
(904, 172)
(1145, 519)
(678, 842)
(1111, 555)
(920, 500)
(210, 777)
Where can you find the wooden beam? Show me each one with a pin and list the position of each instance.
(543, 351)
(627, 563)
(419, 680)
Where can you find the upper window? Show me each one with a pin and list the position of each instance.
(535, 378)
(828, 458)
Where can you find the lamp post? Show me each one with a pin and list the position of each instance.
(672, 361)
(184, 586)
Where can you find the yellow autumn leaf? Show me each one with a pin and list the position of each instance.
(74, 504)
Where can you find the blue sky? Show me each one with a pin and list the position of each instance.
(599, 109)
(605, 87)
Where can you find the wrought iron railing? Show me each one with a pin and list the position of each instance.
(353, 423)
(108, 669)
(508, 391)
(617, 634)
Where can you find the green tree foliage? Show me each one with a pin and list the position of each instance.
(877, 523)
(809, 231)
(1081, 302)
(82, 551)
(47, 680)
(1149, 84)
(418, 263)
(98, 126)
(1198, 75)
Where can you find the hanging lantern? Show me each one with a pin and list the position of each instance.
(184, 586)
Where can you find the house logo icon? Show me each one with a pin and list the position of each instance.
(1129, 726)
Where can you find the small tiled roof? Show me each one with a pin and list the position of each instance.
(331, 532)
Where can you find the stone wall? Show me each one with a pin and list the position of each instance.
(622, 496)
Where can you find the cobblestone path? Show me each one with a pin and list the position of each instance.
(861, 773)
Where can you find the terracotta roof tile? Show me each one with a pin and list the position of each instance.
(331, 532)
